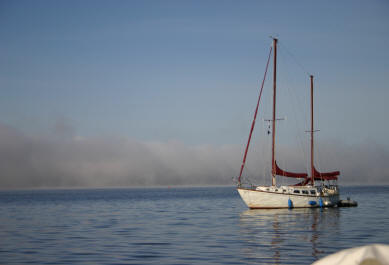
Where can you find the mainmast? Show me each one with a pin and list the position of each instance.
(274, 114)
(312, 131)
(255, 117)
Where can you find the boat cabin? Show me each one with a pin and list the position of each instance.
(296, 190)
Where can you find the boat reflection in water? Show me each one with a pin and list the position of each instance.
(280, 236)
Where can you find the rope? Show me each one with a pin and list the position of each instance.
(294, 59)
(296, 108)
(255, 117)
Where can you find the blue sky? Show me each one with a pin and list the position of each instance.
(123, 93)
(188, 70)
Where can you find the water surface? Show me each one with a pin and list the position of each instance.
(179, 226)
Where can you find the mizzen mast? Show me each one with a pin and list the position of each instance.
(312, 131)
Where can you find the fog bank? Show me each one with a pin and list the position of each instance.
(66, 160)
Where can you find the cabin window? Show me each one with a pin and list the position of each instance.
(283, 190)
(304, 191)
(296, 191)
(313, 192)
(267, 189)
(276, 189)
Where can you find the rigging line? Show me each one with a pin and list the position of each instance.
(302, 143)
(297, 122)
(294, 59)
(302, 113)
(268, 160)
(265, 164)
(260, 153)
(263, 146)
(297, 108)
(317, 152)
(317, 155)
(255, 116)
(288, 80)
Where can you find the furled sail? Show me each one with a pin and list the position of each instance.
(303, 183)
(326, 175)
(280, 172)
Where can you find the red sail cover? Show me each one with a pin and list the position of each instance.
(280, 172)
(303, 183)
(326, 176)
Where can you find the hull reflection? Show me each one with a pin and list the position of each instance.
(278, 235)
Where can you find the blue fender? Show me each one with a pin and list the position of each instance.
(321, 203)
(290, 204)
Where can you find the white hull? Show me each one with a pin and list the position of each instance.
(262, 199)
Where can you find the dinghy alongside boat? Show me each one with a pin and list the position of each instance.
(347, 203)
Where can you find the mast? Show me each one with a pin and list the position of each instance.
(323, 175)
(274, 114)
(253, 123)
(312, 150)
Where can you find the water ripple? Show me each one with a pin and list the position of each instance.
(179, 226)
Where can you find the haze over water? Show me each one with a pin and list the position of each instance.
(157, 93)
(179, 226)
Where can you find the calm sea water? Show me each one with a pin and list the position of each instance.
(179, 226)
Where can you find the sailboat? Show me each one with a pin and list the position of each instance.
(314, 190)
